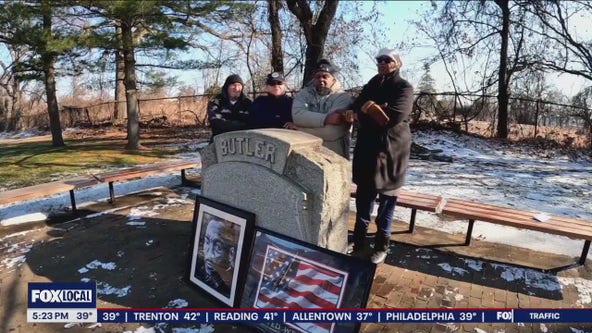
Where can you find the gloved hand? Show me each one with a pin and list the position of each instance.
(375, 112)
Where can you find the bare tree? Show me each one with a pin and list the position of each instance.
(119, 94)
(277, 56)
(476, 29)
(11, 92)
(315, 29)
(566, 50)
(583, 110)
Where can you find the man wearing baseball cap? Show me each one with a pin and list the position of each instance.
(381, 155)
(319, 109)
(273, 110)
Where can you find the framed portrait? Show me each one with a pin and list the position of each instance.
(222, 237)
(288, 273)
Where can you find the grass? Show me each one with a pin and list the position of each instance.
(29, 163)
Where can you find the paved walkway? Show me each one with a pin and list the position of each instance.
(138, 253)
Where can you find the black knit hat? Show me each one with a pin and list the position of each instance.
(234, 78)
(324, 65)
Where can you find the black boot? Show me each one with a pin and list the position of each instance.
(360, 246)
(381, 246)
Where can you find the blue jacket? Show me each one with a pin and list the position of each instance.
(270, 111)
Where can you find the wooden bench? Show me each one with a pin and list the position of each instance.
(144, 171)
(415, 201)
(564, 226)
(57, 187)
(43, 190)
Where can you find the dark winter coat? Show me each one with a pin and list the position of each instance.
(270, 111)
(381, 155)
(224, 116)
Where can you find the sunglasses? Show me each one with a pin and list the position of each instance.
(275, 83)
(385, 60)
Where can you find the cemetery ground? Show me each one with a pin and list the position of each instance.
(137, 250)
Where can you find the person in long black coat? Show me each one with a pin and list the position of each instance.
(382, 150)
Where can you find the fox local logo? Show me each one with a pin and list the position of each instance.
(62, 295)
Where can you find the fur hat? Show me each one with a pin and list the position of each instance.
(391, 53)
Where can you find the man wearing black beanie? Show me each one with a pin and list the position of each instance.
(229, 110)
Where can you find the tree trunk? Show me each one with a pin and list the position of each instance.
(48, 59)
(315, 34)
(314, 53)
(119, 77)
(131, 94)
(277, 61)
(536, 118)
(502, 96)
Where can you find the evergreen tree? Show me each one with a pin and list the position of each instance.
(427, 82)
(157, 27)
(30, 26)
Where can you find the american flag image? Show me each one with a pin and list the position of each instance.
(291, 281)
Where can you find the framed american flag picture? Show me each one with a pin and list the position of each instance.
(288, 273)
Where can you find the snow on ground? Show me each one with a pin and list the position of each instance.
(483, 170)
(21, 134)
(490, 172)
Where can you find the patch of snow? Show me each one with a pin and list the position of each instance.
(478, 330)
(476, 265)
(532, 278)
(16, 234)
(20, 247)
(104, 288)
(21, 134)
(31, 210)
(142, 211)
(25, 218)
(454, 270)
(14, 261)
(104, 265)
(584, 289)
(177, 303)
(543, 328)
(137, 223)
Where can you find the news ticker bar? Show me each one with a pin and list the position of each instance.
(306, 316)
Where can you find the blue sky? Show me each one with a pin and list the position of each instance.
(397, 20)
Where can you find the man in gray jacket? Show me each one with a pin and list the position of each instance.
(319, 109)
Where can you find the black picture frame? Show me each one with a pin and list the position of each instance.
(221, 240)
(288, 273)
